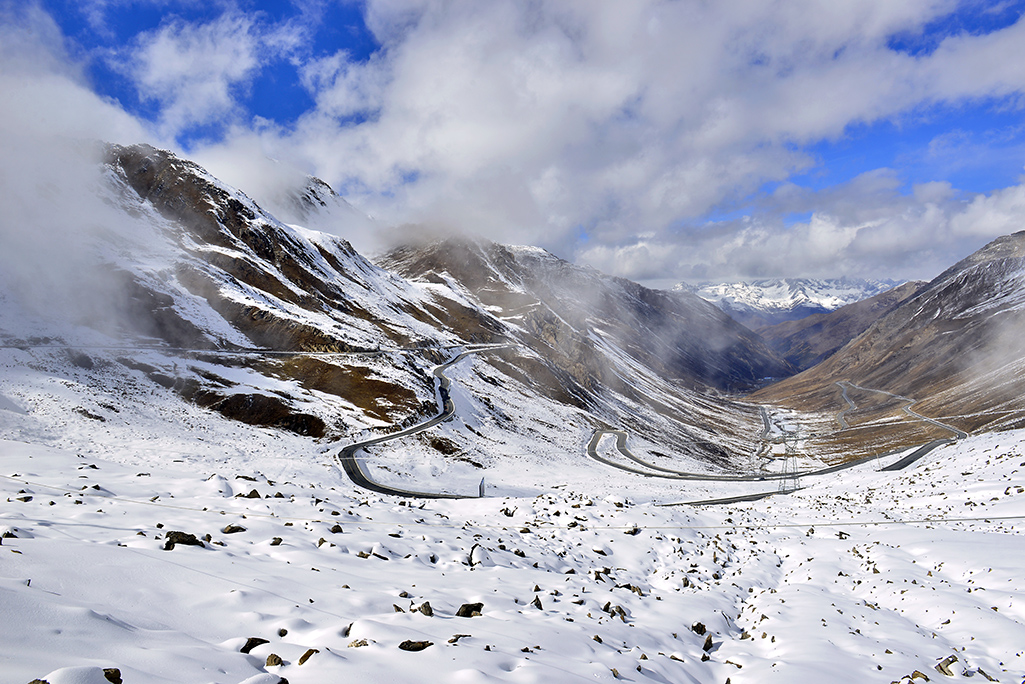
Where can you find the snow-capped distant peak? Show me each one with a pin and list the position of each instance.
(778, 299)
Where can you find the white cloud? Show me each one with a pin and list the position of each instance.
(862, 228)
(196, 71)
(50, 212)
(45, 93)
(536, 122)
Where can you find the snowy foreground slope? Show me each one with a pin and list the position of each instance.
(861, 576)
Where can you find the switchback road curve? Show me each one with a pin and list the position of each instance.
(349, 462)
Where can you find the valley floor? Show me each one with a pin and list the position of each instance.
(860, 576)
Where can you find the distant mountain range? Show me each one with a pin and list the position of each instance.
(765, 302)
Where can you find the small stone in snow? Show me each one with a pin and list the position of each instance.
(306, 656)
(175, 537)
(251, 643)
(943, 667)
(274, 660)
(410, 645)
(470, 610)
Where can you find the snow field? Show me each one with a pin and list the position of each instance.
(861, 576)
(836, 588)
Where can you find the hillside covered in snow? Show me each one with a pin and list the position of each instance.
(235, 450)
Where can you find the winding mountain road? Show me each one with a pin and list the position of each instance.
(920, 451)
(667, 473)
(350, 463)
(347, 458)
(851, 406)
(621, 437)
(844, 384)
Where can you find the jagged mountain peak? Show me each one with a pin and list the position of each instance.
(768, 301)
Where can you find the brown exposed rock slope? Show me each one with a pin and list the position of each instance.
(957, 347)
(808, 341)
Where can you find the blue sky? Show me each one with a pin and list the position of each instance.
(657, 140)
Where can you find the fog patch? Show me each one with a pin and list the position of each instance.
(54, 227)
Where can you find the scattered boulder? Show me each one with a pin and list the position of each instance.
(425, 609)
(708, 643)
(251, 643)
(274, 660)
(943, 667)
(176, 537)
(306, 656)
(336, 529)
(232, 529)
(698, 628)
(470, 610)
(276, 541)
(409, 645)
(537, 603)
(112, 675)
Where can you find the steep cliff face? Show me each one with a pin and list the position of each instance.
(283, 287)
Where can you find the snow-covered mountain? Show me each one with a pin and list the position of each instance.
(758, 303)
(197, 265)
(953, 349)
(180, 385)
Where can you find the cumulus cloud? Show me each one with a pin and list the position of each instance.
(542, 122)
(865, 228)
(603, 130)
(197, 72)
